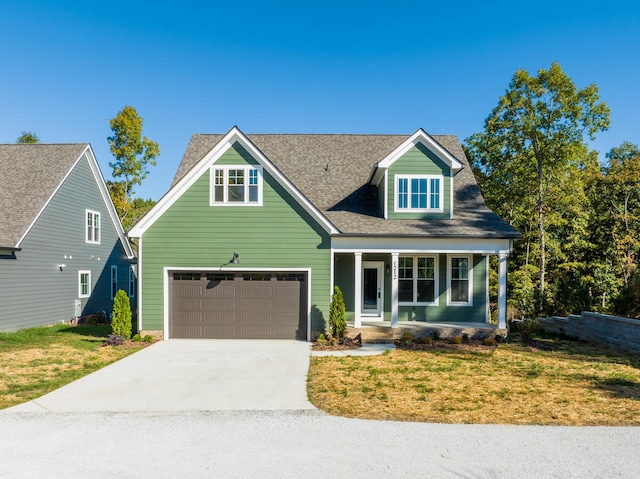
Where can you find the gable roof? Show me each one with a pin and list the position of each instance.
(333, 173)
(30, 174)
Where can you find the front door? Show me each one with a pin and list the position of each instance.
(372, 293)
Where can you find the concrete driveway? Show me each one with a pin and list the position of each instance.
(191, 375)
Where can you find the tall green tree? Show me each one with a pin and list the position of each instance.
(532, 145)
(134, 154)
(28, 137)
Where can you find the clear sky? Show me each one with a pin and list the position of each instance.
(298, 67)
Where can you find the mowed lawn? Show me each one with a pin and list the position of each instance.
(575, 383)
(36, 361)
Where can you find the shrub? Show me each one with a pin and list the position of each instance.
(528, 329)
(337, 314)
(137, 338)
(455, 340)
(407, 337)
(435, 334)
(114, 340)
(121, 317)
(489, 341)
(426, 340)
(465, 337)
(147, 338)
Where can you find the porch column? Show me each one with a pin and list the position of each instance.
(394, 290)
(357, 307)
(502, 291)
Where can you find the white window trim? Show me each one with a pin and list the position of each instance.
(114, 268)
(80, 273)
(132, 281)
(86, 227)
(436, 285)
(226, 169)
(460, 303)
(397, 178)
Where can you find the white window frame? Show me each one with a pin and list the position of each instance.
(469, 257)
(226, 168)
(80, 274)
(408, 209)
(114, 281)
(95, 237)
(436, 282)
(132, 281)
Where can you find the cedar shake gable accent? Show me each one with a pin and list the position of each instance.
(29, 175)
(333, 171)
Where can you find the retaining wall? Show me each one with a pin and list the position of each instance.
(618, 332)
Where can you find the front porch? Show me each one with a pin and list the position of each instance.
(382, 332)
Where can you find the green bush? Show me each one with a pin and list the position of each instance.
(455, 340)
(147, 338)
(337, 314)
(489, 341)
(426, 340)
(137, 338)
(407, 337)
(528, 329)
(121, 316)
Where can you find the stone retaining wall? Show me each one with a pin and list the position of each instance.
(622, 333)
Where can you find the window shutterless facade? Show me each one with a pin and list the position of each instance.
(92, 219)
(418, 193)
(236, 185)
(84, 284)
(459, 289)
(417, 280)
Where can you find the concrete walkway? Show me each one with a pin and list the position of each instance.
(191, 375)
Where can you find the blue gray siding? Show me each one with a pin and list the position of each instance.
(34, 290)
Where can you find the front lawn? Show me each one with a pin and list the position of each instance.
(36, 361)
(572, 383)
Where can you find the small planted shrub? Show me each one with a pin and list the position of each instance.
(455, 340)
(337, 314)
(147, 338)
(121, 317)
(489, 341)
(137, 338)
(426, 340)
(465, 337)
(528, 329)
(321, 339)
(114, 340)
(407, 338)
(435, 334)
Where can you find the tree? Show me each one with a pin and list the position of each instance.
(133, 154)
(530, 150)
(121, 315)
(28, 137)
(337, 314)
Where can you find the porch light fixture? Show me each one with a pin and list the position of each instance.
(62, 266)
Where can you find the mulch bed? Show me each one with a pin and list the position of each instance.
(343, 344)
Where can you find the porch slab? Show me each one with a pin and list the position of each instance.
(382, 332)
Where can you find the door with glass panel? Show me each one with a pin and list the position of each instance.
(372, 289)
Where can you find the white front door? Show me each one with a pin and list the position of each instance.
(372, 289)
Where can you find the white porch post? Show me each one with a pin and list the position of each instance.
(394, 290)
(502, 291)
(357, 307)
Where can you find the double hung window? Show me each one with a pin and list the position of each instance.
(418, 193)
(460, 280)
(417, 280)
(92, 227)
(236, 185)
(84, 284)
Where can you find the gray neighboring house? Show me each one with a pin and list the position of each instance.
(63, 252)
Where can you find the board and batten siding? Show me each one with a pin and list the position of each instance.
(34, 290)
(191, 233)
(419, 160)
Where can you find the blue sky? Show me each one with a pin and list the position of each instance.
(298, 67)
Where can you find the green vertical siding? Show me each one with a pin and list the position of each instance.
(419, 161)
(278, 234)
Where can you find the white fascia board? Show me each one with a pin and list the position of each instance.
(106, 197)
(234, 135)
(419, 136)
(420, 245)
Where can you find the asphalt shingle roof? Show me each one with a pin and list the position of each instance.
(332, 172)
(29, 175)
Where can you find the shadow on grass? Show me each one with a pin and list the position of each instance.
(98, 331)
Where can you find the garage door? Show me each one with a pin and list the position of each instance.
(238, 305)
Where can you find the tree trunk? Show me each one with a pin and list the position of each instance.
(540, 223)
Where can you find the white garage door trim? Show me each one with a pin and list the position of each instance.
(167, 270)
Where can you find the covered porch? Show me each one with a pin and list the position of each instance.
(382, 332)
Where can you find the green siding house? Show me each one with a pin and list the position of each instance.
(257, 229)
(63, 253)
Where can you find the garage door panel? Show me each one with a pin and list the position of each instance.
(238, 305)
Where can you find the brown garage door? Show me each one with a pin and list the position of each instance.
(238, 305)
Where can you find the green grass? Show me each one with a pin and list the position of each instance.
(36, 361)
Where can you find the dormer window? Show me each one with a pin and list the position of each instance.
(236, 185)
(418, 193)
